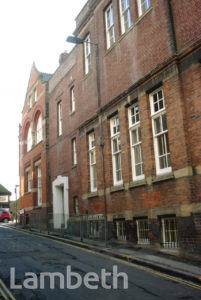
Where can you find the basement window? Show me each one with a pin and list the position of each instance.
(169, 232)
(142, 231)
(120, 229)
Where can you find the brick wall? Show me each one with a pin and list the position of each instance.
(187, 32)
(29, 200)
(140, 60)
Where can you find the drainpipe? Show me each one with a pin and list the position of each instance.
(172, 28)
(101, 142)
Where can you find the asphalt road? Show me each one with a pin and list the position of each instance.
(21, 253)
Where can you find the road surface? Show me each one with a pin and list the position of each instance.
(59, 271)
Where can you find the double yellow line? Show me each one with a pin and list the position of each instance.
(126, 261)
(5, 292)
(158, 273)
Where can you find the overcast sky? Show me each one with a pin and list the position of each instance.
(30, 31)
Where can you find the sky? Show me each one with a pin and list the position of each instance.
(30, 31)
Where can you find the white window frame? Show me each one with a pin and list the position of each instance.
(72, 97)
(116, 153)
(142, 231)
(76, 205)
(94, 228)
(74, 151)
(87, 54)
(29, 181)
(39, 133)
(167, 232)
(121, 230)
(30, 101)
(125, 15)
(35, 95)
(39, 185)
(29, 139)
(143, 6)
(92, 162)
(3, 198)
(59, 112)
(158, 114)
(109, 21)
(134, 125)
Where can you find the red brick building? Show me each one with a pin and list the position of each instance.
(33, 147)
(125, 124)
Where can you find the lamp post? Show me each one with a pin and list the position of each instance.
(16, 202)
(76, 40)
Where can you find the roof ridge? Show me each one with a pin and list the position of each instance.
(4, 191)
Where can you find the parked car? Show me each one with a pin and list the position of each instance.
(4, 215)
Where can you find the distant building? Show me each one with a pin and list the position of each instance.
(33, 145)
(4, 197)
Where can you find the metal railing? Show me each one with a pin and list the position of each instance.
(84, 226)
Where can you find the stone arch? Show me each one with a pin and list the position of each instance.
(25, 129)
(38, 112)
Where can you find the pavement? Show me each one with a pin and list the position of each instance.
(164, 260)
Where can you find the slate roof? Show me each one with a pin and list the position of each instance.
(44, 77)
(4, 191)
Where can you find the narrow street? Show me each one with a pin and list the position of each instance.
(27, 253)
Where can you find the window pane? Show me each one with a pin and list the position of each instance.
(143, 231)
(160, 94)
(92, 160)
(39, 130)
(134, 137)
(164, 122)
(137, 154)
(155, 98)
(118, 161)
(168, 160)
(170, 232)
(158, 101)
(126, 18)
(110, 26)
(94, 177)
(157, 122)
(161, 145)
(115, 148)
(156, 106)
(161, 104)
(118, 166)
(162, 161)
(139, 134)
(139, 170)
(135, 117)
(166, 142)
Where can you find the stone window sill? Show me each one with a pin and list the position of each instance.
(72, 113)
(138, 183)
(164, 177)
(117, 188)
(92, 195)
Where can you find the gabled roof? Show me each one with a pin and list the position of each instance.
(4, 191)
(44, 77)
